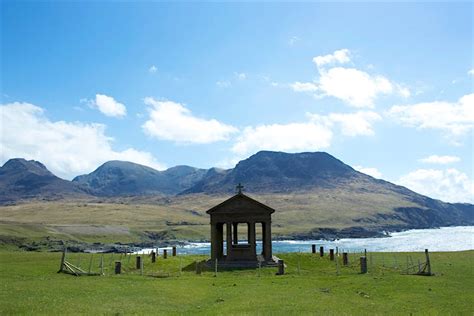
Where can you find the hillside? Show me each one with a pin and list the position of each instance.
(24, 179)
(314, 194)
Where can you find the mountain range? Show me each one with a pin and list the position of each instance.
(268, 173)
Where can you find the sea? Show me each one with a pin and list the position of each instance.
(456, 238)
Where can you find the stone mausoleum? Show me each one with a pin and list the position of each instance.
(241, 212)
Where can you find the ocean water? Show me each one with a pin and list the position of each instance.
(456, 238)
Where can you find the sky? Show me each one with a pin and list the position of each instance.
(385, 87)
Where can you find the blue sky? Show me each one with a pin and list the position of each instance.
(385, 87)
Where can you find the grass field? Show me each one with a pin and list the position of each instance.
(30, 285)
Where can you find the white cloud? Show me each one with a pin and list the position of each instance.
(442, 160)
(173, 121)
(107, 105)
(240, 75)
(339, 56)
(355, 87)
(374, 172)
(283, 137)
(292, 41)
(454, 118)
(471, 72)
(448, 185)
(304, 86)
(152, 69)
(223, 84)
(66, 148)
(352, 124)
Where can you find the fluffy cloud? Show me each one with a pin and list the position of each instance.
(454, 118)
(442, 160)
(240, 75)
(283, 137)
(172, 121)
(374, 172)
(355, 87)
(223, 84)
(108, 106)
(339, 56)
(66, 148)
(471, 72)
(304, 86)
(448, 185)
(152, 69)
(351, 124)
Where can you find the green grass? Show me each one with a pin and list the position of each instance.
(30, 285)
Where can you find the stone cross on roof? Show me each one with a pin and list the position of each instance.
(239, 188)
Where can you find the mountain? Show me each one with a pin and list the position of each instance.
(123, 178)
(23, 179)
(268, 171)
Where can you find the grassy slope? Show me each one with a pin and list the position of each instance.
(184, 217)
(30, 285)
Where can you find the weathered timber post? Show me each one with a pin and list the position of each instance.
(138, 262)
(281, 267)
(345, 259)
(102, 264)
(165, 253)
(63, 258)
(363, 265)
(153, 257)
(321, 251)
(365, 253)
(428, 263)
(174, 251)
(331, 254)
(198, 267)
(313, 248)
(337, 251)
(118, 267)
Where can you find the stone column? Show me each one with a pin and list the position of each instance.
(235, 233)
(252, 237)
(267, 240)
(214, 241)
(229, 239)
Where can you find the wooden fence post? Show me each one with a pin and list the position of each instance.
(313, 248)
(63, 258)
(321, 251)
(363, 265)
(345, 259)
(174, 251)
(138, 262)
(428, 262)
(281, 267)
(118, 267)
(165, 253)
(153, 256)
(331, 254)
